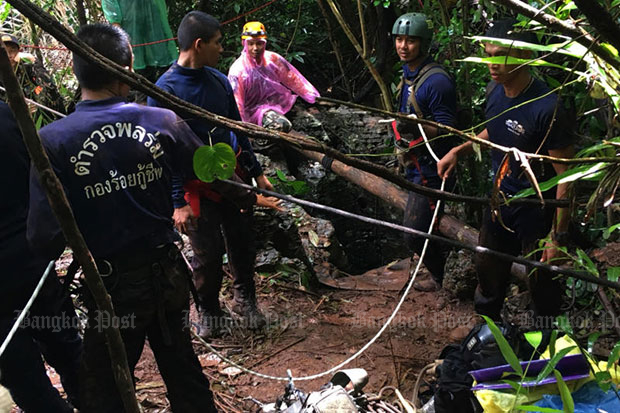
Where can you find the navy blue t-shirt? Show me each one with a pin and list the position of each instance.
(211, 90)
(525, 128)
(437, 100)
(14, 172)
(115, 161)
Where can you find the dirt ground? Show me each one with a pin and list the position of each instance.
(310, 332)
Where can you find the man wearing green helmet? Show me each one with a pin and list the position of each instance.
(427, 91)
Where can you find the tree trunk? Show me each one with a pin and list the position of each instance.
(449, 226)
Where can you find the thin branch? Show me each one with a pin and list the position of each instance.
(360, 11)
(336, 49)
(294, 31)
(562, 26)
(385, 93)
(60, 206)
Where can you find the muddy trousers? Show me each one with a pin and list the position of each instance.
(222, 228)
(49, 329)
(529, 225)
(418, 215)
(150, 294)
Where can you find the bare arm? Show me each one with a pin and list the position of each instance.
(446, 165)
(562, 217)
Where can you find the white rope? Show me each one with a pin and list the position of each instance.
(22, 315)
(62, 115)
(378, 334)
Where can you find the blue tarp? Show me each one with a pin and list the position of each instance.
(588, 399)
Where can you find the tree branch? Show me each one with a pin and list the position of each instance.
(469, 136)
(138, 82)
(563, 27)
(385, 93)
(64, 214)
(336, 49)
(600, 19)
(360, 11)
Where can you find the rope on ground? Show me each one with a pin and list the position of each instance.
(361, 350)
(37, 104)
(22, 315)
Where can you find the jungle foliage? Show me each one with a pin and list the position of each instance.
(586, 75)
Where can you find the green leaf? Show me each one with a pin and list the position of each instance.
(214, 162)
(553, 362)
(569, 47)
(509, 60)
(281, 175)
(564, 324)
(504, 347)
(534, 338)
(592, 340)
(603, 379)
(594, 148)
(567, 399)
(532, 408)
(586, 262)
(614, 355)
(587, 172)
(613, 273)
(554, 336)
(608, 231)
(610, 49)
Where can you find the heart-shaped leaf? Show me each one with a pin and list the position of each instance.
(214, 162)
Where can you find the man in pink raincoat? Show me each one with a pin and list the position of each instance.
(265, 84)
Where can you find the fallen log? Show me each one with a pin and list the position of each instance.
(449, 225)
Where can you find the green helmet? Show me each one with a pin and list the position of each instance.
(416, 25)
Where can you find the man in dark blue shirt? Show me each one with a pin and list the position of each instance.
(428, 92)
(222, 226)
(50, 327)
(538, 127)
(116, 161)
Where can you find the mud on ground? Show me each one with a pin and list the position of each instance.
(310, 332)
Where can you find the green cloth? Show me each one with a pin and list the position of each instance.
(145, 21)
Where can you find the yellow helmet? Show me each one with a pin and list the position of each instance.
(254, 30)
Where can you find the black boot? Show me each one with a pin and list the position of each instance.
(211, 323)
(245, 305)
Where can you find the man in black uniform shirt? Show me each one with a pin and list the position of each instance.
(115, 161)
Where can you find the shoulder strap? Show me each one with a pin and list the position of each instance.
(426, 72)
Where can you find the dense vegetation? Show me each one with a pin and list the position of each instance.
(587, 76)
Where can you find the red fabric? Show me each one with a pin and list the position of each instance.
(196, 189)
